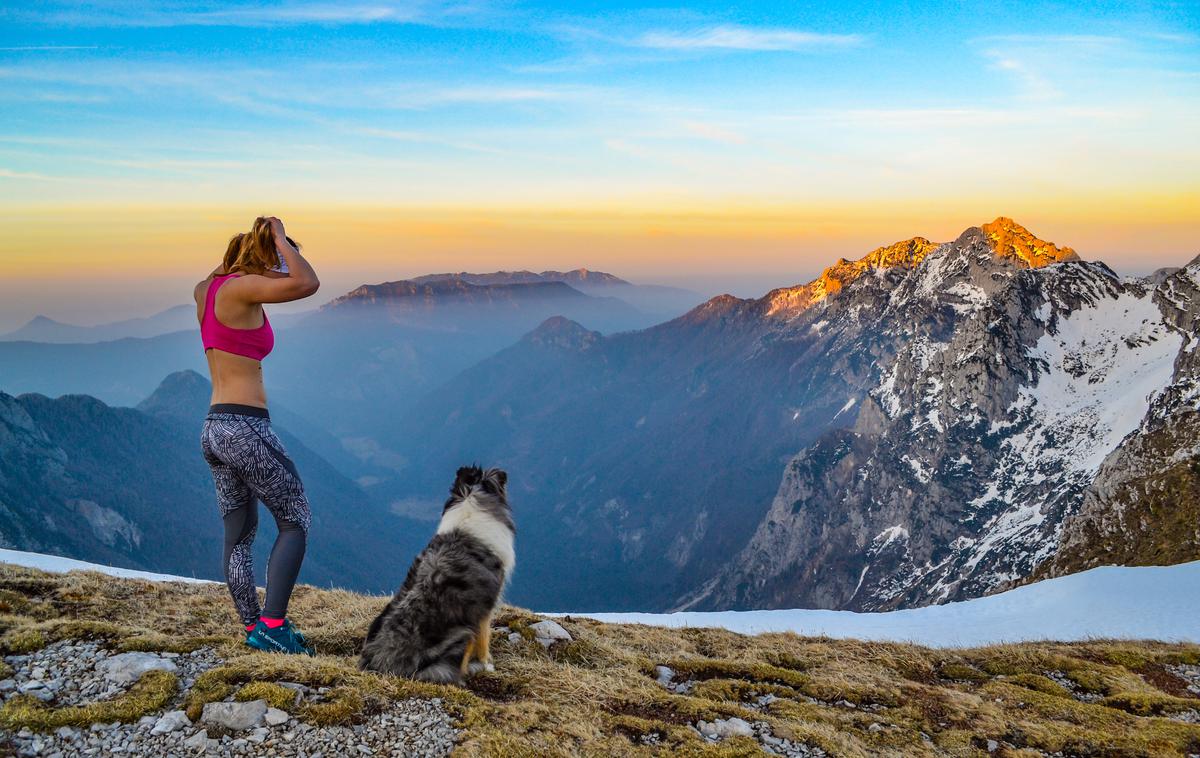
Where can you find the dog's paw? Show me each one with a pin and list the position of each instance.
(476, 666)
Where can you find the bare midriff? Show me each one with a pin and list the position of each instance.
(236, 379)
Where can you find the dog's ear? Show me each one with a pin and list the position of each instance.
(466, 478)
(501, 477)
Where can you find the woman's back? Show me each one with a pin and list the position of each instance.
(260, 267)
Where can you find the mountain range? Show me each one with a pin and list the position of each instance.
(930, 422)
(45, 329)
(923, 424)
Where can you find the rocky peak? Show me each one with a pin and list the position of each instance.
(903, 254)
(183, 394)
(583, 276)
(561, 332)
(1011, 240)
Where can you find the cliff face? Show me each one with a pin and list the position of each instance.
(1007, 373)
(1143, 508)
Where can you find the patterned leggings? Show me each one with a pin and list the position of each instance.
(249, 463)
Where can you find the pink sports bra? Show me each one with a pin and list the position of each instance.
(252, 343)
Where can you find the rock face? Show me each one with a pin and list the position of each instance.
(1143, 507)
(1025, 385)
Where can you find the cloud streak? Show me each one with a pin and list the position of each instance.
(46, 48)
(746, 38)
(287, 13)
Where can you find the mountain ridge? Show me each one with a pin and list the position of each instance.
(677, 435)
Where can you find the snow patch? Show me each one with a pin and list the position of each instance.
(58, 565)
(888, 536)
(919, 470)
(1110, 602)
(849, 404)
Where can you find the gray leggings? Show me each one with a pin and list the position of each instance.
(248, 464)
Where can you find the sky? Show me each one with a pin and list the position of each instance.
(725, 147)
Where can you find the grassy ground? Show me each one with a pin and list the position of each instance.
(597, 695)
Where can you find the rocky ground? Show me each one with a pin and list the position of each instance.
(69, 673)
(85, 671)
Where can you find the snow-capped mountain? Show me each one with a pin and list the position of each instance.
(1019, 375)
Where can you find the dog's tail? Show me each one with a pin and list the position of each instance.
(442, 662)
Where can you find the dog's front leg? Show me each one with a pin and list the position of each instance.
(483, 643)
(468, 654)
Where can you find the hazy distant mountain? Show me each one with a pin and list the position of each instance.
(655, 300)
(120, 372)
(444, 303)
(130, 487)
(350, 367)
(580, 276)
(936, 414)
(43, 329)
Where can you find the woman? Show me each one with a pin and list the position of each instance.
(248, 460)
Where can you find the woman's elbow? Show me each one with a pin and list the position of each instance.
(310, 287)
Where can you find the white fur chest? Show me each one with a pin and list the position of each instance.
(468, 517)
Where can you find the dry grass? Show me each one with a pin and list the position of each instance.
(597, 694)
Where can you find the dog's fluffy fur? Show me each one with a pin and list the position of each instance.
(438, 624)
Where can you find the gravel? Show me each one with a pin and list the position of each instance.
(1189, 674)
(76, 672)
(413, 727)
(722, 729)
(1062, 680)
(79, 672)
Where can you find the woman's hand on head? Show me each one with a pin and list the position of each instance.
(277, 227)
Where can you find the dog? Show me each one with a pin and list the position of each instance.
(438, 625)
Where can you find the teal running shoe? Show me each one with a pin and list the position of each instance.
(284, 639)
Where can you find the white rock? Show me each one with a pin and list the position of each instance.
(548, 632)
(664, 675)
(259, 734)
(197, 742)
(733, 727)
(127, 668)
(725, 728)
(8, 685)
(275, 717)
(170, 722)
(235, 716)
(514, 638)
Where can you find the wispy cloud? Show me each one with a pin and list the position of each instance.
(714, 133)
(401, 135)
(734, 37)
(6, 173)
(1034, 84)
(1040, 65)
(140, 14)
(47, 48)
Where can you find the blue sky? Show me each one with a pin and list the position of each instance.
(588, 101)
(939, 115)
